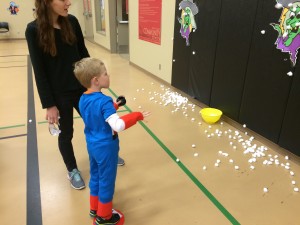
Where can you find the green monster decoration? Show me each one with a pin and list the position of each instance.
(288, 30)
(188, 24)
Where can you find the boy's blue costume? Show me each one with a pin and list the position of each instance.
(103, 148)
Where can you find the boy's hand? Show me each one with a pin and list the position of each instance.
(146, 114)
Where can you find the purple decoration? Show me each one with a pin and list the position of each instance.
(292, 49)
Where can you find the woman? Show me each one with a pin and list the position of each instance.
(55, 42)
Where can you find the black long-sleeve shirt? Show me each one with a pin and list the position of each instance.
(54, 75)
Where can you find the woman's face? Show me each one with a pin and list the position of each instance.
(60, 7)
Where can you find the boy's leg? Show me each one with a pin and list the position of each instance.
(107, 171)
(94, 186)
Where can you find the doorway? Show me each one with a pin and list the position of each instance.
(122, 28)
(88, 20)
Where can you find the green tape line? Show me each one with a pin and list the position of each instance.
(188, 173)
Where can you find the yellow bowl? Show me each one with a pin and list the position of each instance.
(210, 115)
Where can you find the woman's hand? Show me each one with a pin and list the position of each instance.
(52, 115)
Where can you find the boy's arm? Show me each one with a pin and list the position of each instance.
(119, 124)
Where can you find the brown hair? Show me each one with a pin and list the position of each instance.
(88, 68)
(46, 37)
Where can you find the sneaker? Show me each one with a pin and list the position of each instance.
(113, 220)
(93, 213)
(76, 179)
(121, 161)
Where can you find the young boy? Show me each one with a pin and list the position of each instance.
(101, 126)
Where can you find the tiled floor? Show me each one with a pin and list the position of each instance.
(152, 188)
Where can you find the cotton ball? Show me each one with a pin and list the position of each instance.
(236, 167)
(292, 173)
(278, 6)
(225, 154)
(177, 160)
(30, 120)
(193, 146)
(296, 189)
(231, 160)
(263, 32)
(216, 164)
(244, 125)
(293, 182)
(286, 157)
(204, 167)
(265, 189)
(252, 167)
(194, 52)
(290, 73)
(196, 154)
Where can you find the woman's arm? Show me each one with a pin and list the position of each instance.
(36, 56)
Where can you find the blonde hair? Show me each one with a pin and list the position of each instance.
(88, 68)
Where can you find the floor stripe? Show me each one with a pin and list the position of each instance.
(14, 136)
(188, 173)
(33, 205)
(14, 126)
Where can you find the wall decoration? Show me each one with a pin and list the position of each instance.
(187, 21)
(150, 20)
(13, 8)
(288, 28)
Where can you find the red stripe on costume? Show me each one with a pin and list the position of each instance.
(104, 210)
(131, 118)
(93, 202)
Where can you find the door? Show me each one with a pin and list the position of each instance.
(88, 20)
(122, 27)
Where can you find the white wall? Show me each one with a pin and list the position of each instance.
(152, 57)
(76, 9)
(19, 22)
(156, 59)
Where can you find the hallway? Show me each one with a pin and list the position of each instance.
(179, 170)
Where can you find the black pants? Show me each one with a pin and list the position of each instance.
(65, 103)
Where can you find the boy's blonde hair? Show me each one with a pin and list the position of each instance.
(88, 68)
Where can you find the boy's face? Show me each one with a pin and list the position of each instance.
(103, 80)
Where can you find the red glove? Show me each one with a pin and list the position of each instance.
(131, 118)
